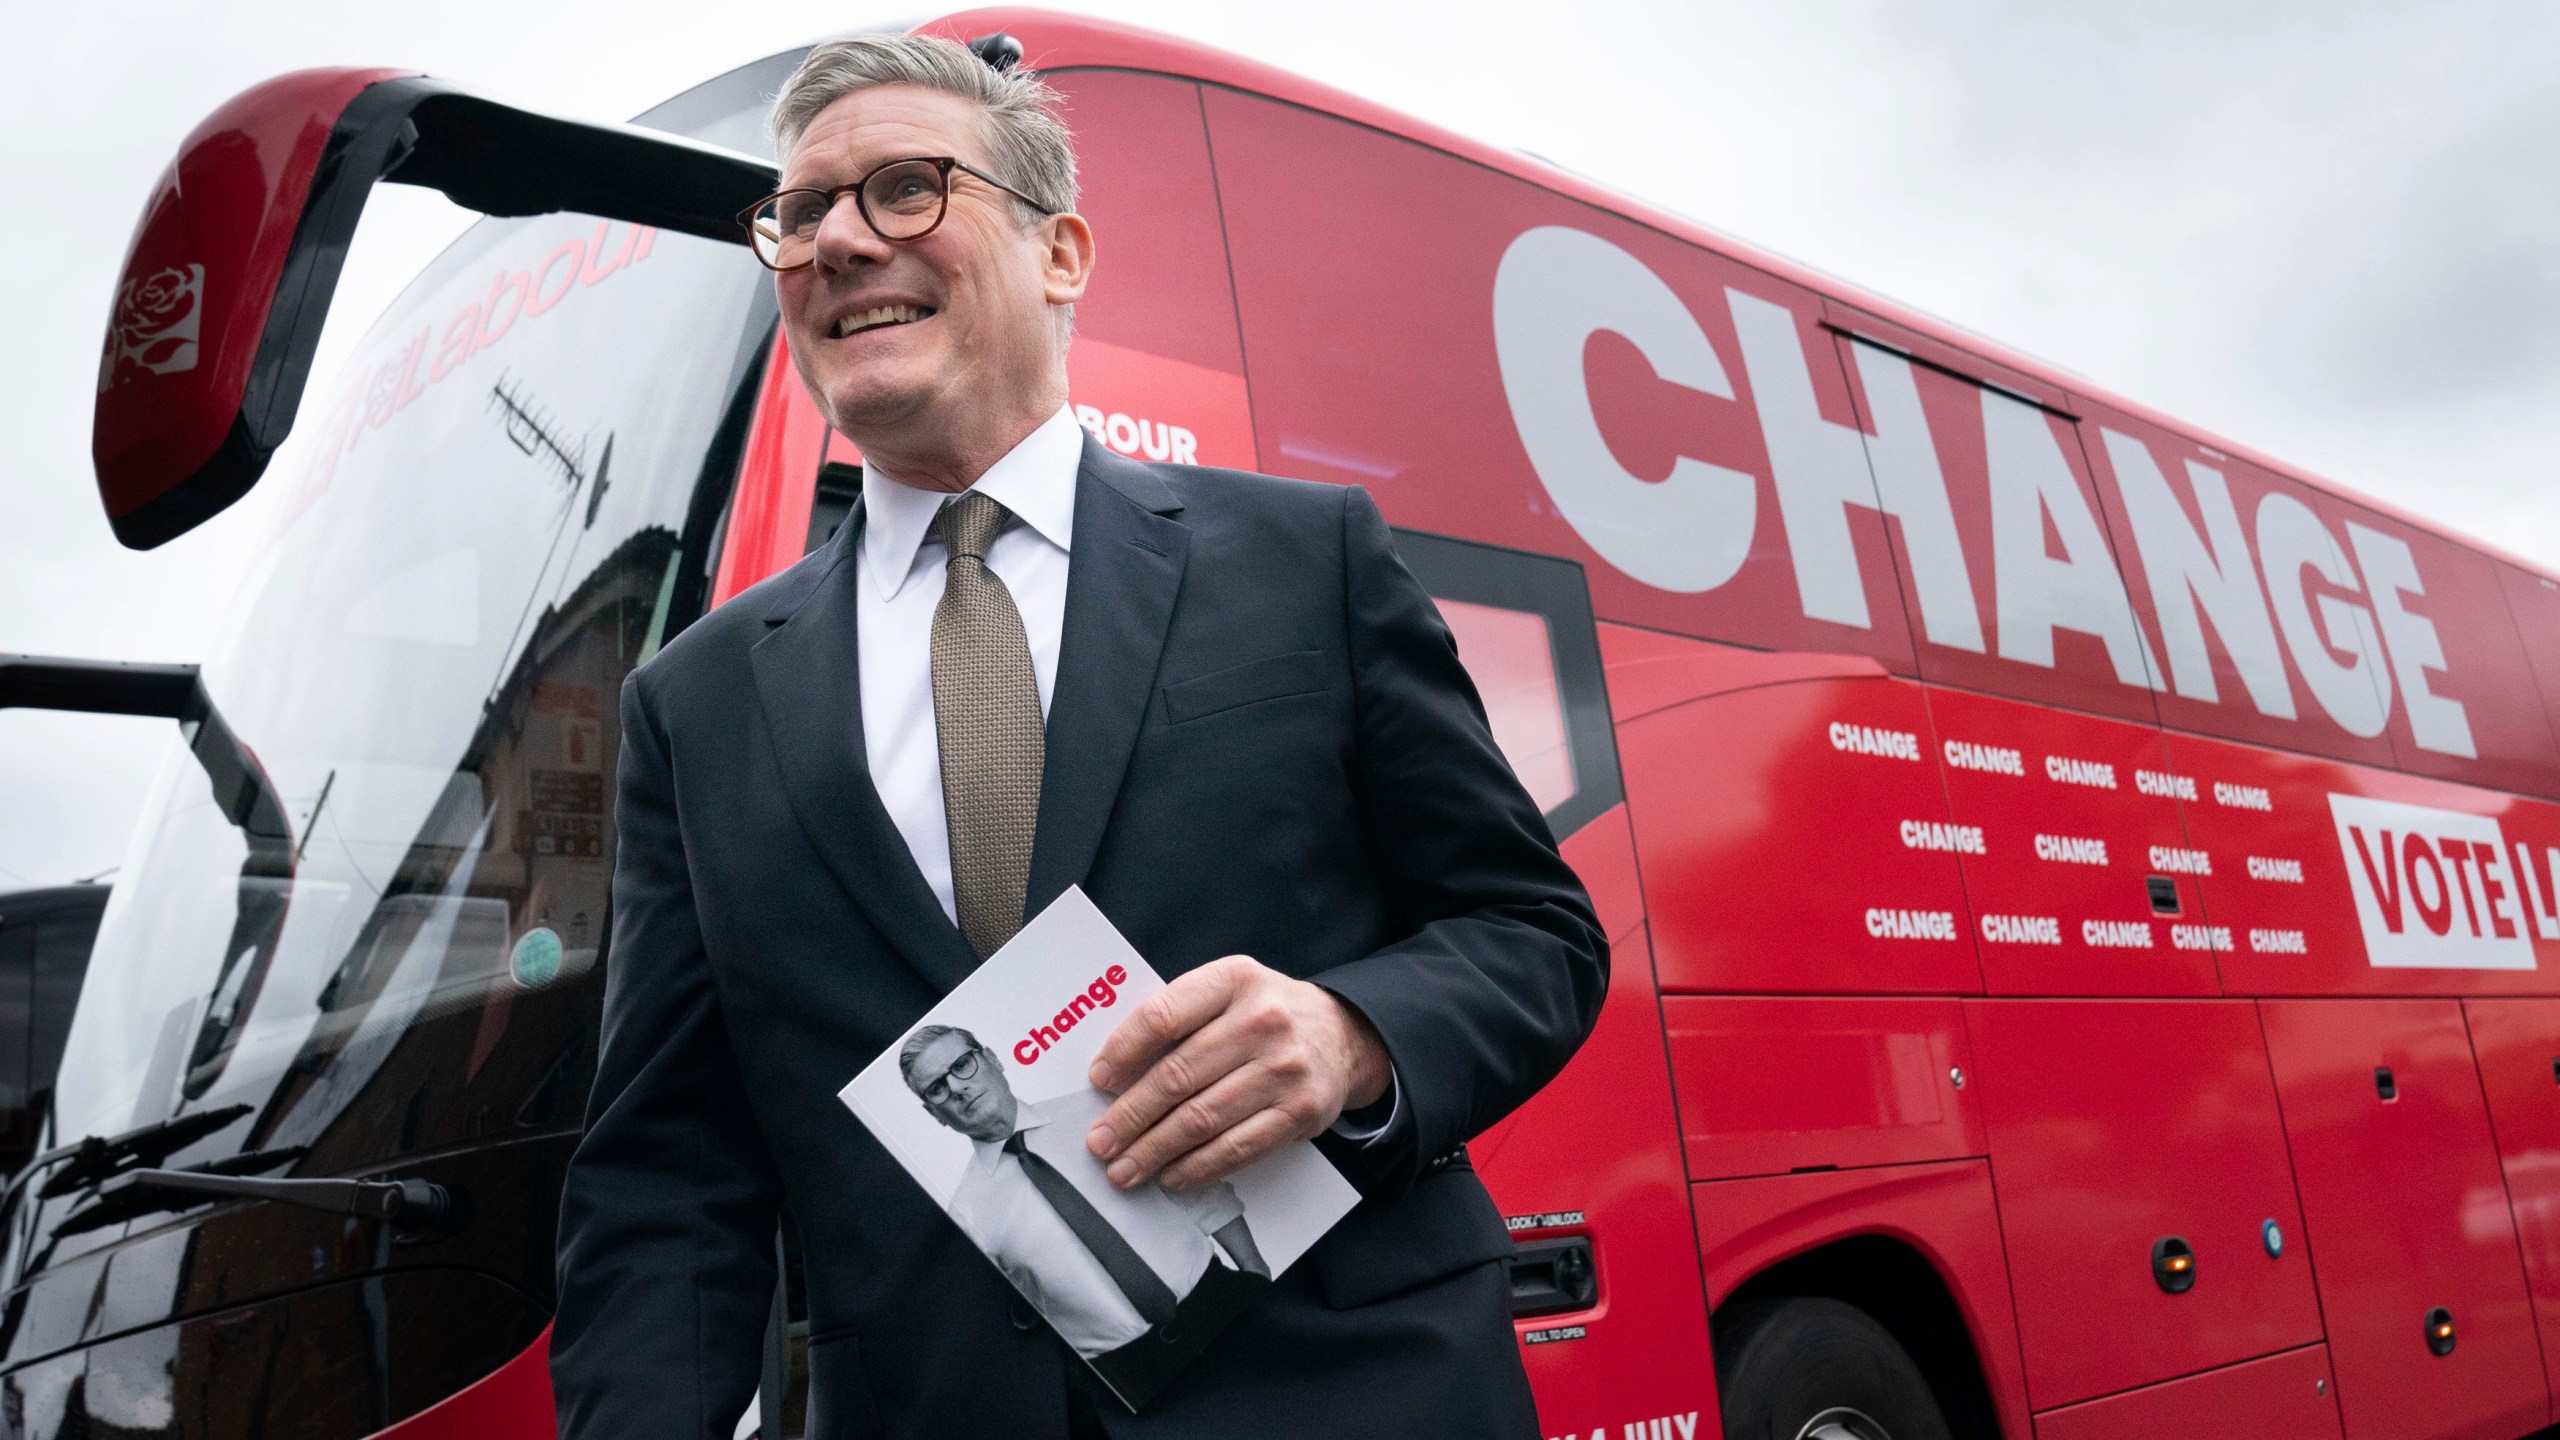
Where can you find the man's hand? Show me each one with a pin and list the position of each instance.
(1225, 1065)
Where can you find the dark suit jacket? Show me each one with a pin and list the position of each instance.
(1260, 741)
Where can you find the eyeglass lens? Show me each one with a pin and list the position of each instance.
(902, 201)
(964, 1068)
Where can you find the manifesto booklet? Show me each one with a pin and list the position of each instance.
(986, 1103)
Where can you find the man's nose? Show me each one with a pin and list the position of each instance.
(845, 239)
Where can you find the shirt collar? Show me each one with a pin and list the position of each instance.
(1036, 480)
(1026, 1117)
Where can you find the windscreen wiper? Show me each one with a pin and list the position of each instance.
(407, 1206)
(116, 1201)
(90, 1160)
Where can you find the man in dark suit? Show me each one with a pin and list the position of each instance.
(1216, 700)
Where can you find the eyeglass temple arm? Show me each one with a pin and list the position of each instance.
(1009, 190)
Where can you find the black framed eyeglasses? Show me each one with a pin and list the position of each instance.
(901, 201)
(938, 1089)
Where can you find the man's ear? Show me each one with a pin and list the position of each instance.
(1066, 258)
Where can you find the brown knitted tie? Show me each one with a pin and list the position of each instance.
(986, 707)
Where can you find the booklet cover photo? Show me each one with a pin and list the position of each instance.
(986, 1104)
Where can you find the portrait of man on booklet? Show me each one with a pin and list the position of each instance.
(1125, 1276)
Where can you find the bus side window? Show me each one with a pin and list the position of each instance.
(1511, 657)
(1523, 626)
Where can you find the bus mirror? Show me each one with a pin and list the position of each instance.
(236, 257)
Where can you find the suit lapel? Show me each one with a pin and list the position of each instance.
(809, 683)
(1127, 569)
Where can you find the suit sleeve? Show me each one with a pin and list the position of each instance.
(1501, 972)
(668, 1214)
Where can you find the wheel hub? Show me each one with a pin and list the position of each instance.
(1842, 1423)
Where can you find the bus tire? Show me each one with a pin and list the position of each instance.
(1808, 1368)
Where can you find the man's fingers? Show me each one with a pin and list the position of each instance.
(1193, 1067)
(1195, 1122)
(1261, 1133)
(1190, 1001)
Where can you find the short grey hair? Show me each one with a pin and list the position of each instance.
(921, 1041)
(1028, 145)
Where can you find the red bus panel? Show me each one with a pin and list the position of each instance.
(1651, 670)
(513, 1402)
(1463, 347)
(2256, 642)
(2517, 1044)
(1769, 823)
(2115, 1125)
(1773, 1085)
(1597, 1154)
(777, 480)
(2282, 1397)
(2406, 1212)
(2462, 704)
(2065, 816)
(1156, 371)
(2533, 601)
(2008, 572)
(2335, 879)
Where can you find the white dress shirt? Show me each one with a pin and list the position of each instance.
(998, 1207)
(901, 584)
(902, 576)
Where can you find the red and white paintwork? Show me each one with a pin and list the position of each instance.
(200, 279)
(1921, 657)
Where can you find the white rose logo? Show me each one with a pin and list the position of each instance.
(156, 325)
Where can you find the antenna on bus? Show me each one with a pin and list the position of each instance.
(1001, 51)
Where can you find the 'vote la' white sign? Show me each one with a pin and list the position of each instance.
(2434, 888)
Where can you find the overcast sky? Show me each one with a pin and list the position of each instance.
(2328, 230)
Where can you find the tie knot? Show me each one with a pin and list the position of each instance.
(968, 525)
(1013, 1142)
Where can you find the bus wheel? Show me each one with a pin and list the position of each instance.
(1803, 1368)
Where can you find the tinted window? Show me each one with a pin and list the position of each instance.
(17, 1004)
(1511, 655)
(1523, 628)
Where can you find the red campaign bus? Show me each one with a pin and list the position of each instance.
(2079, 887)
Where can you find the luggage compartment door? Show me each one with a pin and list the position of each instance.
(2517, 1043)
(2117, 1127)
(2406, 1214)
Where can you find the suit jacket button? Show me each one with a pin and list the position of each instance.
(1023, 1316)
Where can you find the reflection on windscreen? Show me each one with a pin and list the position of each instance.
(484, 530)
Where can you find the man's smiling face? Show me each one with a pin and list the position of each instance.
(928, 333)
